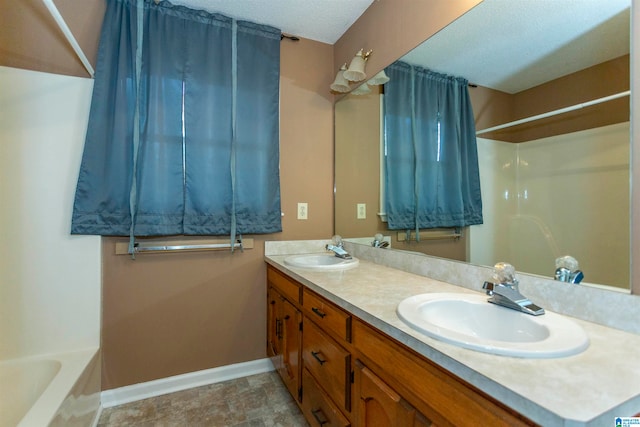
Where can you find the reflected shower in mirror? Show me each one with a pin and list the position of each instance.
(554, 168)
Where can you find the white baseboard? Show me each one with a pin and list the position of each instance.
(96, 417)
(132, 393)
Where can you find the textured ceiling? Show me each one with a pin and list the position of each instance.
(512, 45)
(321, 20)
(508, 45)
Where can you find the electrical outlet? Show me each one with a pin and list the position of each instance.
(362, 211)
(303, 211)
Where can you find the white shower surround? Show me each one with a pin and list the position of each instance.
(556, 196)
(50, 281)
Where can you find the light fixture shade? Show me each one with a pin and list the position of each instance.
(355, 72)
(340, 84)
(363, 89)
(379, 79)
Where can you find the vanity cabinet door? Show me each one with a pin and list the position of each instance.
(273, 326)
(381, 406)
(284, 339)
(444, 398)
(290, 345)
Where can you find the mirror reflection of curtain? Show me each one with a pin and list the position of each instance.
(184, 139)
(431, 157)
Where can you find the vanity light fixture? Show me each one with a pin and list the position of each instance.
(355, 72)
(340, 84)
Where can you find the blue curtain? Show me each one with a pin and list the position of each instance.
(183, 133)
(431, 158)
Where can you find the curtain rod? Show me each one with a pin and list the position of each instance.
(455, 233)
(53, 10)
(184, 245)
(556, 112)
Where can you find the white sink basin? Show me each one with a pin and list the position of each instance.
(320, 262)
(469, 321)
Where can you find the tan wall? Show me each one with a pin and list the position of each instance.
(175, 313)
(167, 314)
(30, 38)
(357, 164)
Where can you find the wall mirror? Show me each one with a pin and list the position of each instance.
(557, 185)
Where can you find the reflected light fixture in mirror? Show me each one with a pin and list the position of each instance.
(379, 79)
(363, 89)
(340, 84)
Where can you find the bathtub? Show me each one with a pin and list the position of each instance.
(53, 390)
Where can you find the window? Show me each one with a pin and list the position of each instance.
(184, 126)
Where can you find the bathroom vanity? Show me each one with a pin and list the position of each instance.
(347, 359)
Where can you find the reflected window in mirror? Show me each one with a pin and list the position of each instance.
(529, 183)
(431, 159)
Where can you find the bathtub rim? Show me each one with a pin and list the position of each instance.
(73, 365)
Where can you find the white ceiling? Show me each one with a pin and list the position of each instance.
(321, 20)
(512, 45)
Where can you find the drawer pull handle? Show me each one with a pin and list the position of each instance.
(316, 356)
(319, 416)
(318, 312)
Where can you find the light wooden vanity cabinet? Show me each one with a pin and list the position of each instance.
(344, 372)
(420, 389)
(284, 321)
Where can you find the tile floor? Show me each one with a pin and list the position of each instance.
(258, 400)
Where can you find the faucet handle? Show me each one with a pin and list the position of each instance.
(504, 273)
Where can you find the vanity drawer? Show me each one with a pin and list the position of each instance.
(327, 315)
(318, 407)
(328, 362)
(287, 287)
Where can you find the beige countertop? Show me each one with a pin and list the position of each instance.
(588, 389)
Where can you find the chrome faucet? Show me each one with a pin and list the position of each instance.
(336, 246)
(506, 293)
(379, 242)
(567, 270)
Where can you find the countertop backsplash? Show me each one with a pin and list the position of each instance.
(612, 308)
